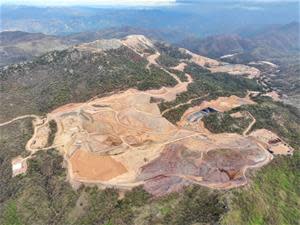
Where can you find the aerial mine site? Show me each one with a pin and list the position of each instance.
(149, 112)
(122, 140)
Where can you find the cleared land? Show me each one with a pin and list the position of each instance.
(123, 140)
(88, 166)
(216, 66)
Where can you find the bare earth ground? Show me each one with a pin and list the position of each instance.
(216, 66)
(221, 104)
(274, 95)
(272, 142)
(123, 141)
(103, 167)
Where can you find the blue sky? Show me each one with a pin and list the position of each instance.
(115, 2)
(90, 2)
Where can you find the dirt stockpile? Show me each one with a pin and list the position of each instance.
(88, 166)
(179, 166)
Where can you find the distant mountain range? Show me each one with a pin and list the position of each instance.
(264, 44)
(187, 17)
(17, 46)
(270, 42)
(278, 44)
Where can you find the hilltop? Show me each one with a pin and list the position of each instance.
(83, 71)
(145, 118)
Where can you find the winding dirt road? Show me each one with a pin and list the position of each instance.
(184, 103)
(37, 124)
(168, 94)
(19, 118)
(250, 125)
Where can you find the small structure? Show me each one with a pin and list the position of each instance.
(19, 166)
(272, 142)
(196, 116)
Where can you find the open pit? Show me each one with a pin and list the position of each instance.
(123, 140)
(191, 119)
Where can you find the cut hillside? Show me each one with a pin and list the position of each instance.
(19, 46)
(102, 139)
(81, 72)
(74, 75)
(277, 45)
(110, 109)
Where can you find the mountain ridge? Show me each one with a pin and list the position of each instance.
(270, 42)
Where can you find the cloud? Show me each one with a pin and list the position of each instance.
(90, 2)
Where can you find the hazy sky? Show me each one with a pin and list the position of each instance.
(114, 2)
(90, 2)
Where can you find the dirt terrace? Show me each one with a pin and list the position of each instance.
(221, 104)
(123, 141)
(272, 142)
(217, 66)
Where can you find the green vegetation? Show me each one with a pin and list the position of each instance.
(274, 195)
(168, 61)
(53, 130)
(180, 75)
(155, 80)
(222, 83)
(10, 214)
(223, 122)
(280, 118)
(43, 195)
(13, 138)
(197, 205)
(287, 80)
(149, 51)
(104, 207)
(174, 115)
(207, 86)
(171, 51)
(61, 77)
